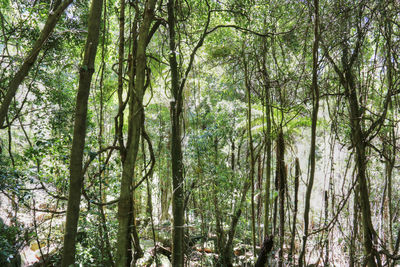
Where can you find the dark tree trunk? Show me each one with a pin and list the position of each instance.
(296, 191)
(354, 231)
(176, 146)
(265, 249)
(281, 178)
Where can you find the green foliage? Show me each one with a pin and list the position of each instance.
(8, 237)
(11, 238)
(214, 131)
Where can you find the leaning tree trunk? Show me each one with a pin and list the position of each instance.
(78, 143)
(136, 120)
(54, 16)
(226, 257)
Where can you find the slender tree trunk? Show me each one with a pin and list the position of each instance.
(78, 143)
(296, 191)
(178, 205)
(227, 255)
(176, 147)
(315, 97)
(268, 142)
(268, 164)
(392, 136)
(119, 119)
(354, 232)
(136, 120)
(326, 201)
(252, 158)
(275, 215)
(52, 19)
(226, 241)
(221, 240)
(389, 174)
(103, 229)
(281, 178)
(358, 139)
(259, 190)
(177, 195)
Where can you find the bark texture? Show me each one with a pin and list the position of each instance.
(78, 143)
(176, 147)
(281, 179)
(126, 224)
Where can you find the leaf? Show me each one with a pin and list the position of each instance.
(5, 3)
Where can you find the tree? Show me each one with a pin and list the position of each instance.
(136, 120)
(218, 87)
(315, 100)
(360, 136)
(29, 61)
(76, 174)
(176, 105)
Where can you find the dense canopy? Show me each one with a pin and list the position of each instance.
(199, 133)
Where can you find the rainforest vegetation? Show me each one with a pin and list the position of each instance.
(199, 133)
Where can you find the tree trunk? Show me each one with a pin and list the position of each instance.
(268, 162)
(392, 135)
(358, 140)
(315, 98)
(52, 19)
(252, 158)
(296, 191)
(78, 143)
(354, 232)
(265, 249)
(260, 164)
(281, 178)
(119, 118)
(358, 135)
(226, 257)
(326, 200)
(176, 147)
(135, 121)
